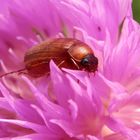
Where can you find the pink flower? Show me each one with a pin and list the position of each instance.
(95, 16)
(71, 104)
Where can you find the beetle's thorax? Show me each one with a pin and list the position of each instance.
(79, 50)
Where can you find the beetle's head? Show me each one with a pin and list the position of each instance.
(89, 63)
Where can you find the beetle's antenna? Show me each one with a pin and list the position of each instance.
(12, 72)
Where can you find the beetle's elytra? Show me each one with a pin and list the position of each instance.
(65, 52)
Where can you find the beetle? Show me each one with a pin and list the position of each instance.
(65, 52)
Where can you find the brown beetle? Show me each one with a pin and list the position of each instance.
(65, 52)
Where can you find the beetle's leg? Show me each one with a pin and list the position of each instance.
(48, 73)
(61, 63)
(75, 63)
(76, 66)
